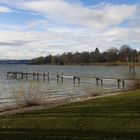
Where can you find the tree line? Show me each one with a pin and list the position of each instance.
(124, 54)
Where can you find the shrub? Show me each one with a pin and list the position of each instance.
(30, 96)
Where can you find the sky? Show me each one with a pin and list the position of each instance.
(32, 28)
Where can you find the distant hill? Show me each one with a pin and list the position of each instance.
(14, 61)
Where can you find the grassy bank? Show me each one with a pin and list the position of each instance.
(109, 118)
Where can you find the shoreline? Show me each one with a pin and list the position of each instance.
(56, 103)
(95, 64)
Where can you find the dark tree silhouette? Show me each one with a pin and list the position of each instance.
(124, 54)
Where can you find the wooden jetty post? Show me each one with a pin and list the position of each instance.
(74, 79)
(101, 81)
(62, 77)
(118, 82)
(22, 75)
(97, 81)
(26, 75)
(48, 77)
(57, 77)
(121, 81)
(33, 75)
(44, 76)
(68, 77)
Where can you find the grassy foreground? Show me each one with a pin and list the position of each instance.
(109, 118)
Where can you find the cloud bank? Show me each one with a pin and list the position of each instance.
(61, 26)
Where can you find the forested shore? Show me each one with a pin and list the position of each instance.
(112, 56)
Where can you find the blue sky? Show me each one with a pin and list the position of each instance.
(30, 28)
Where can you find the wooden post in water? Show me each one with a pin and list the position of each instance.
(101, 81)
(57, 77)
(21, 75)
(44, 75)
(26, 76)
(118, 83)
(97, 81)
(48, 77)
(62, 77)
(74, 79)
(122, 81)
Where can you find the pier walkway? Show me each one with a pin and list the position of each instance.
(60, 77)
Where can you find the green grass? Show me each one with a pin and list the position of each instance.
(109, 118)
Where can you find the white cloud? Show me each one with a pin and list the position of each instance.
(32, 44)
(99, 17)
(70, 27)
(37, 23)
(5, 9)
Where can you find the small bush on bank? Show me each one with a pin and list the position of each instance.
(30, 96)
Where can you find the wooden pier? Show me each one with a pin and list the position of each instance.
(60, 77)
(42, 76)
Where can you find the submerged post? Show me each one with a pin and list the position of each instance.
(74, 79)
(62, 77)
(123, 83)
(97, 83)
(118, 82)
(101, 81)
(48, 77)
(21, 75)
(44, 75)
(57, 77)
(26, 75)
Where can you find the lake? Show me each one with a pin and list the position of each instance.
(52, 90)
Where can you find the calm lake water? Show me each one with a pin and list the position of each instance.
(52, 90)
